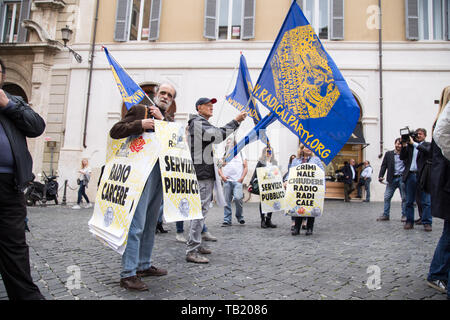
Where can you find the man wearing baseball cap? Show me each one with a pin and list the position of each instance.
(202, 135)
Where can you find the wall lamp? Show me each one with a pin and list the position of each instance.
(66, 36)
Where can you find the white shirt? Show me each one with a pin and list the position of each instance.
(367, 172)
(233, 170)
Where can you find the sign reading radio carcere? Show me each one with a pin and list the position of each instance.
(305, 191)
(271, 190)
(179, 180)
(129, 162)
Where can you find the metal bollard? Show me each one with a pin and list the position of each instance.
(64, 199)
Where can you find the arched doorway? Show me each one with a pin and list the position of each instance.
(353, 149)
(15, 90)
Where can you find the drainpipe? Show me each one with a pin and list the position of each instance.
(380, 53)
(91, 65)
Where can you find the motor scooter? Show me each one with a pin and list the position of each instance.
(34, 192)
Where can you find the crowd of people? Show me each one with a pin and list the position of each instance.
(419, 169)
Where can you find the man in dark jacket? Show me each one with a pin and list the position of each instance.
(202, 136)
(415, 159)
(17, 121)
(350, 175)
(136, 259)
(395, 167)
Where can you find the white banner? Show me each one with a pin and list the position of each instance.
(128, 165)
(305, 191)
(271, 190)
(179, 181)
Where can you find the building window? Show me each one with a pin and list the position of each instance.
(140, 17)
(10, 21)
(137, 20)
(431, 20)
(230, 19)
(318, 14)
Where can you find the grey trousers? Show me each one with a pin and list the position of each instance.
(195, 231)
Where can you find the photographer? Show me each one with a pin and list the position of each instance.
(415, 153)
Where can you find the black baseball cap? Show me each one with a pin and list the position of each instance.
(204, 101)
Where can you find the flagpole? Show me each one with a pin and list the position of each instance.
(229, 86)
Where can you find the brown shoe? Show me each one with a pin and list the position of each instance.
(408, 226)
(204, 250)
(133, 283)
(152, 271)
(383, 218)
(427, 227)
(196, 258)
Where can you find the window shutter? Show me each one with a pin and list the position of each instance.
(337, 20)
(448, 19)
(24, 14)
(209, 31)
(155, 17)
(122, 20)
(248, 19)
(412, 19)
(2, 13)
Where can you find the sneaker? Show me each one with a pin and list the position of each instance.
(204, 250)
(76, 207)
(427, 227)
(180, 238)
(152, 271)
(208, 236)
(89, 205)
(242, 221)
(383, 218)
(439, 285)
(133, 283)
(196, 258)
(226, 224)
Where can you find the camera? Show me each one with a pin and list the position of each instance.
(405, 133)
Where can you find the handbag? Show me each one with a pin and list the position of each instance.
(254, 187)
(78, 181)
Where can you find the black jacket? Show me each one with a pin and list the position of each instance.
(347, 171)
(440, 186)
(423, 154)
(202, 135)
(20, 122)
(389, 164)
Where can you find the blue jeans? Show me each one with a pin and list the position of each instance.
(366, 184)
(411, 185)
(232, 189)
(397, 183)
(141, 236)
(82, 193)
(440, 265)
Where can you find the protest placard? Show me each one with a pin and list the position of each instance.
(271, 190)
(305, 191)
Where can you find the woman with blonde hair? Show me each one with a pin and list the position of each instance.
(439, 273)
(83, 180)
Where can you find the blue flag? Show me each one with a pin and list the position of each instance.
(131, 92)
(240, 97)
(301, 85)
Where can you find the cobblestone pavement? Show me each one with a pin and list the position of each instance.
(247, 262)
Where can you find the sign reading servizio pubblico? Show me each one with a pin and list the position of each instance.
(305, 191)
(271, 190)
(179, 180)
(129, 162)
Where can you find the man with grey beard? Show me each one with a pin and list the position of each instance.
(136, 260)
